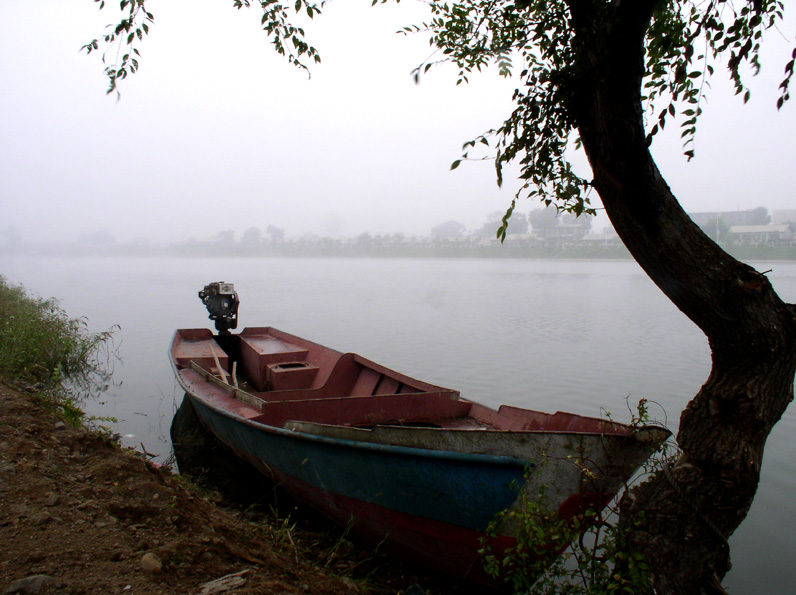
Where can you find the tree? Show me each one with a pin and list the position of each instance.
(277, 234)
(614, 73)
(550, 224)
(517, 224)
(543, 220)
(226, 236)
(759, 216)
(251, 236)
(449, 229)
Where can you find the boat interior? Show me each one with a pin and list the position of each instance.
(286, 378)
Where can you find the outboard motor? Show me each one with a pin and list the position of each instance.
(222, 303)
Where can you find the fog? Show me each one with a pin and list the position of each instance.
(217, 132)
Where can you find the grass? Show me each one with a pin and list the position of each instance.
(42, 347)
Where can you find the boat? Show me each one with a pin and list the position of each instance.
(413, 467)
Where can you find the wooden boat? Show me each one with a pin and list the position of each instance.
(406, 464)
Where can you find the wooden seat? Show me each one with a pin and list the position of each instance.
(258, 354)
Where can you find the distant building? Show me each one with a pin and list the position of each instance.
(761, 234)
(608, 237)
(783, 216)
(758, 216)
(562, 232)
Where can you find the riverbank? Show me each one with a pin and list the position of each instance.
(80, 515)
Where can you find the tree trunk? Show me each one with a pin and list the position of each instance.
(692, 508)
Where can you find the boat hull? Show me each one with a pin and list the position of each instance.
(411, 503)
(408, 466)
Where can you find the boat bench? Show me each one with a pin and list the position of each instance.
(350, 377)
(269, 363)
(201, 349)
(365, 411)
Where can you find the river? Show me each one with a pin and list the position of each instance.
(588, 337)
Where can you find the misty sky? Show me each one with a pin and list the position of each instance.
(217, 132)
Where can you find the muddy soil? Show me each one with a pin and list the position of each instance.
(79, 514)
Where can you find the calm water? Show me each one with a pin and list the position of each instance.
(549, 335)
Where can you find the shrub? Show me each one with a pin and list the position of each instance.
(41, 346)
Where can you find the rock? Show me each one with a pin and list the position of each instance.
(151, 563)
(40, 518)
(52, 499)
(36, 556)
(205, 557)
(116, 556)
(31, 584)
(60, 425)
(19, 510)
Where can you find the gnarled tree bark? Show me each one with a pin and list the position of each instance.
(692, 508)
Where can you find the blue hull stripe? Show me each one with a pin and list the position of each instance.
(462, 489)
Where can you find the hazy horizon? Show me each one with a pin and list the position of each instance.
(217, 132)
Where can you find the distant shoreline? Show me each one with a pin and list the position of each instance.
(340, 249)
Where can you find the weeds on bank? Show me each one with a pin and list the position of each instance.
(586, 555)
(42, 347)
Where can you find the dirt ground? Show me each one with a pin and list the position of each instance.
(79, 514)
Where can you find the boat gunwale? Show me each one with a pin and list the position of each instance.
(372, 446)
(622, 432)
(402, 450)
(407, 451)
(261, 404)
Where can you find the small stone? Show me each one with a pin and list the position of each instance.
(116, 556)
(31, 584)
(205, 557)
(19, 509)
(60, 425)
(40, 518)
(52, 499)
(36, 556)
(151, 563)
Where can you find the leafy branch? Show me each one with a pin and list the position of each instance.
(287, 39)
(122, 56)
(536, 42)
(120, 36)
(677, 71)
(536, 39)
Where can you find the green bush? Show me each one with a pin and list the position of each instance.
(585, 555)
(41, 346)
